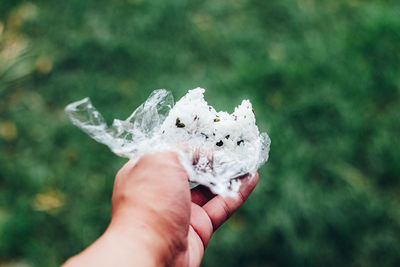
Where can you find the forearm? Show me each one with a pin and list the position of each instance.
(123, 246)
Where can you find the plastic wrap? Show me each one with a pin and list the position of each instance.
(144, 132)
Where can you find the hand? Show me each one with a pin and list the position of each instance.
(156, 219)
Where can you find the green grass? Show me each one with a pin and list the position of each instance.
(324, 79)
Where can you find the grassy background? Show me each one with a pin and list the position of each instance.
(324, 78)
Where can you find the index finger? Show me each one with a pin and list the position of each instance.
(219, 209)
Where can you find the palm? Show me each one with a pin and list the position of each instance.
(185, 218)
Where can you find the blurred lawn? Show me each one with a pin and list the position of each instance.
(324, 78)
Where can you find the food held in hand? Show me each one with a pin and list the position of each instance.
(217, 149)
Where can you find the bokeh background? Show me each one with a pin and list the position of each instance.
(324, 78)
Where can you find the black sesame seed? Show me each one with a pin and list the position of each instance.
(220, 143)
(179, 124)
(227, 136)
(239, 142)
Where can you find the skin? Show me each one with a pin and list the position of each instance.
(156, 219)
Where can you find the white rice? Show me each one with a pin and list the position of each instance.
(228, 146)
(216, 148)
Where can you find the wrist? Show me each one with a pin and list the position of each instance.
(123, 245)
(140, 237)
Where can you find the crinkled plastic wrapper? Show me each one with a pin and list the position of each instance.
(217, 149)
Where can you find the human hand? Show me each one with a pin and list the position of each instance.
(156, 219)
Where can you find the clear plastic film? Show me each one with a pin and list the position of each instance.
(217, 149)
